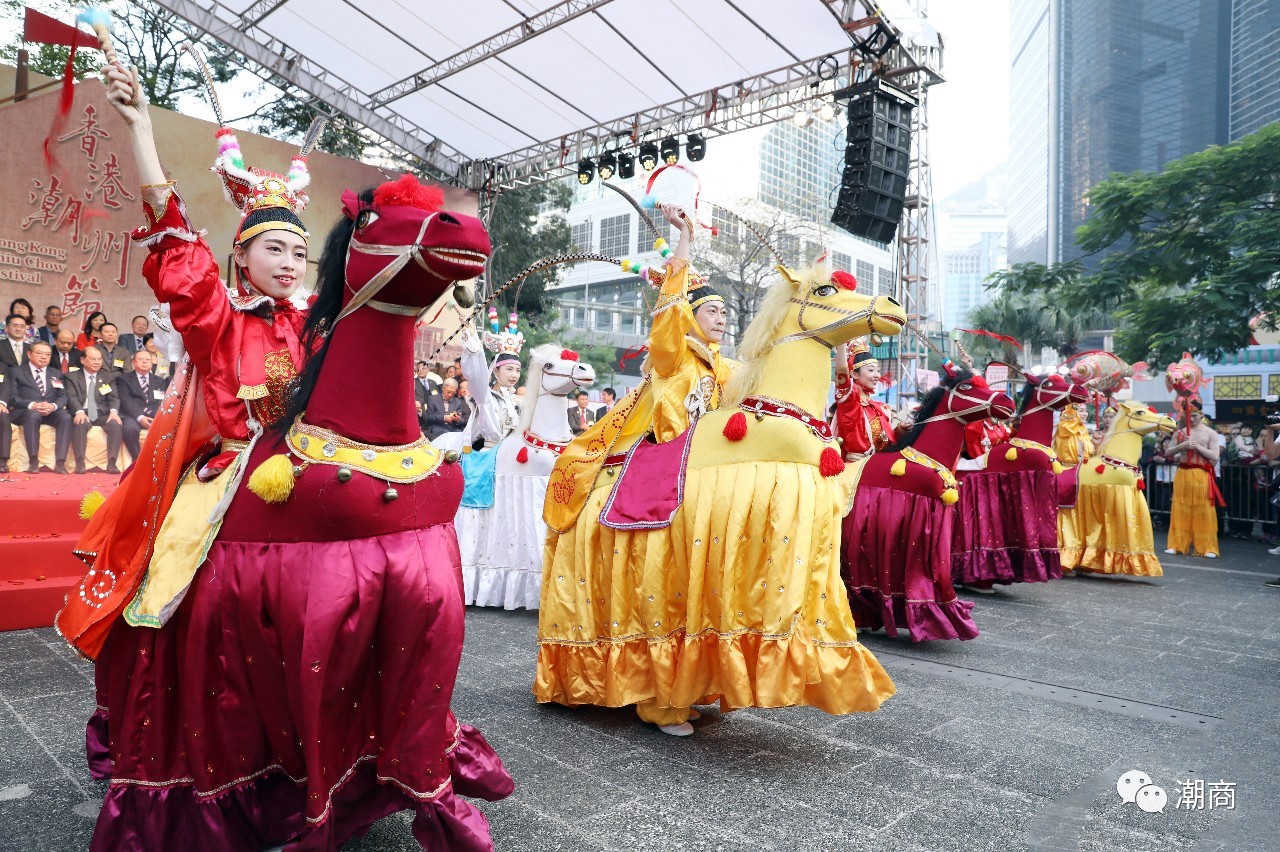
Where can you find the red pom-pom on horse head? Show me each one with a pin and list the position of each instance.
(408, 191)
(844, 279)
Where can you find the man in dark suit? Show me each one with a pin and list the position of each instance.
(92, 401)
(140, 396)
(608, 397)
(6, 433)
(580, 417)
(422, 390)
(133, 342)
(446, 411)
(52, 323)
(13, 350)
(114, 355)
(39, 399)
(66, 357)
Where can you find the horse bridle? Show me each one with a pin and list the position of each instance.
(954, 392)
(402, 254)
(1058, 397)
(805, 333)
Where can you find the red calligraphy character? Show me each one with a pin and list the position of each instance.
(106, 181)
(72, 214)
(100, 246)
(89, 132)
(73, 297)
(49, 203)
(122, 280)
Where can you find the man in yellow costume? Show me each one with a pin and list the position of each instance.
(684, 377)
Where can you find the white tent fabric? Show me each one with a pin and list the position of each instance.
(603, 61)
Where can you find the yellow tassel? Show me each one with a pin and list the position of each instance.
(273, 480)
(899, 468)
(950, 496)
(90, 504)
(1057, 468)
(1011, 454)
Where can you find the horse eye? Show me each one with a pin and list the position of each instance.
(365, 219)
(824, 290)
(966, 387)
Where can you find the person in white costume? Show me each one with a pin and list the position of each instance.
(495, 413)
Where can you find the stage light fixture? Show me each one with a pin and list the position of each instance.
(626, 166)
(606, 166)
(648, 156)
(802, 118)
(670, 150)
(586, 172)
(695, 147)
(827, 112)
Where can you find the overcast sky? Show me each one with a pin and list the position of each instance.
(969, 114)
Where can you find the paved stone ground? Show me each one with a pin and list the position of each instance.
(1013, 740)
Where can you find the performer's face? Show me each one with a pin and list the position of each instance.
(867, 375)
(507, 374)
(712, 318)
(1195, 417)
(275, 262)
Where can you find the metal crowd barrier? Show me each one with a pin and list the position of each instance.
(1245, 487)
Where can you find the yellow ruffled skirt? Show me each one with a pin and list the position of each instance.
(1193, 518)
(1108, 532)
(739, 598)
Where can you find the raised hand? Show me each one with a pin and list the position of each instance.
(125, 93)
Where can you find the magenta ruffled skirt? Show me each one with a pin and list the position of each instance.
(896, 555)
(299, 694)
(1006, 528)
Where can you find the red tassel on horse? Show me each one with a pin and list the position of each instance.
(523, 455)
(830, 463)
(736, 428)
(1102, 468)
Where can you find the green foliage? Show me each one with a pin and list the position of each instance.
(143, 35)
(522, 233)
(1036, 320)
(289, 114)
(1194, 252)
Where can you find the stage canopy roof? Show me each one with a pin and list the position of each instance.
(511, 91)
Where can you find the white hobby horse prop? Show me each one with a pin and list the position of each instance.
(502, 544)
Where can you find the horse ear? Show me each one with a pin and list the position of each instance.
(788, 274)
(350, 205)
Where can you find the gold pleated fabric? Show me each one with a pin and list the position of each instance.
(740, 598)
(1108, 532)
(1193, 518)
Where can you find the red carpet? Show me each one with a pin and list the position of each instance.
(39, 525)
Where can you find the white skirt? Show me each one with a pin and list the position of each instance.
(502, 547)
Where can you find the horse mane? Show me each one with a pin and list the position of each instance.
(539, 356)
(1027, 396)
(930, 405)
(759, 338)
(330, 283)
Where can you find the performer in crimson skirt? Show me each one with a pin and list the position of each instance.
(863, 424)
(261, 687)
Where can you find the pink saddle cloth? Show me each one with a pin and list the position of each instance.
(650, 487)
(1068, 487)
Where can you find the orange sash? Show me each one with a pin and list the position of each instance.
(118, 542)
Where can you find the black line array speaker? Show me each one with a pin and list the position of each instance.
(877, 160)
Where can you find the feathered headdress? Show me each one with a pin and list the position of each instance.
(507, 342)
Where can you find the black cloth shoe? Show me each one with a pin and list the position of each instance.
(33, 468)
(80, 469)
(4, 466)
(113, 469)
(61, 467)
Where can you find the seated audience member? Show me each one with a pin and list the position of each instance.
(13, 351)
(23, 308)
(66, 357)
(92, 401)
(6, 432)
(446, 411)
(52, 325)
(608, 397)
(159, 364)
(92, 332)
(137, 339)
(39, 399)
(114, 355)
(422, 391)
(140, 395)
(580, 417)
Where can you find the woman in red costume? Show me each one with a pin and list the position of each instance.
(203, 708)
(863, 424)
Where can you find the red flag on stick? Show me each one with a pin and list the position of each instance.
(42, 29)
